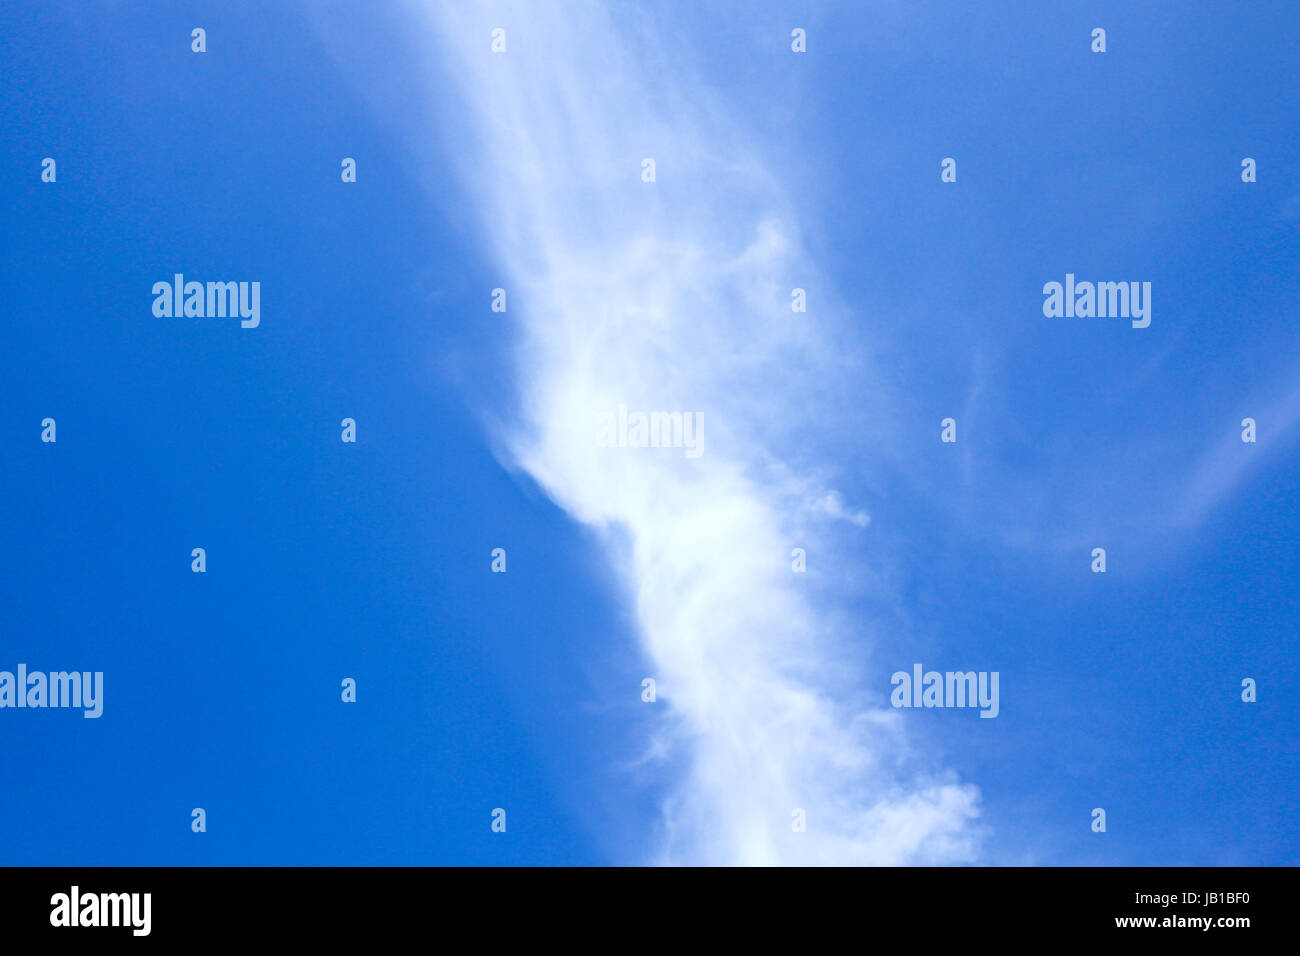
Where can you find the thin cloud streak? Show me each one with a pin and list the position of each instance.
(675, 296)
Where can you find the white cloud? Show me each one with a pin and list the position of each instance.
(676, 296)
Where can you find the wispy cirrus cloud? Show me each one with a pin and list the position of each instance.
(676, 296)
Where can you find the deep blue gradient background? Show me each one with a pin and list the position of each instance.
(328, 560)
(325, 560)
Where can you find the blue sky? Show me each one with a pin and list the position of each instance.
(522, 690)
